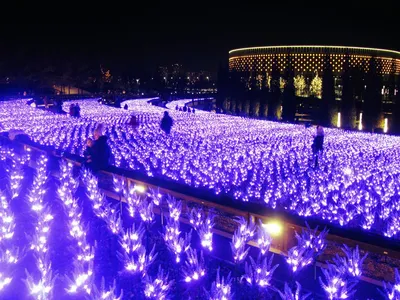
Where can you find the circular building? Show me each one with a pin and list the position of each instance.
(311, 59)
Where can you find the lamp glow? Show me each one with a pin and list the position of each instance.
(274, 228)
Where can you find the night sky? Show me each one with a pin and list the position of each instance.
(196, 34)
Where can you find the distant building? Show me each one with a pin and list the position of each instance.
(308, 62)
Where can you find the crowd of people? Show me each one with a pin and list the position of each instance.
(185, 109)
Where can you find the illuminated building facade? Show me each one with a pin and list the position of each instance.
(308, 63)
(255, 67)
(311, 59)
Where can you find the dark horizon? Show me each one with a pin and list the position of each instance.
(199, 42)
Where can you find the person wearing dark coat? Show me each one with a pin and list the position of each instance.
(166, 123)
(101, 152)
(77, 111)
(126, 106)
(318, 144)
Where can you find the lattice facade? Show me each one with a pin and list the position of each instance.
(311, 59)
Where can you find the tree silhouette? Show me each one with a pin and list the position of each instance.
(289, 93)
(348, 111)
(396, 109)
(373, 98)
(275, 91)
(328, 103)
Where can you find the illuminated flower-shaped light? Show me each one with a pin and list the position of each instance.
(311, 239)
(119, 184)
(194, 268)
(155, 196)
(7, 221)
(131, 240)
(196, 217)
(106, 294)
(4, 281)
(146, 211)
(288, 294)
(42, 289)
(238, 247)
(351, 263)
(114, 222)
(246, 229)
(393, 224)
(174, 242)
(391, 291)
(335, 284)
(42, 231)
(264, 240)
(9, 256)
(158, 287)
(259, 272)
(132, 199)
(174, 207)
(221, 288)
(205, 232)
(139, 261)
(68, 183)
(16, 175)
(82, 279)
(299, 257)
(243, 233)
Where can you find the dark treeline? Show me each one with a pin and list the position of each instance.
(277, 95)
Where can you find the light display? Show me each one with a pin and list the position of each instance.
(335, 285)
(351, 263)
(43, 289)
(247, 159)
(146, 211)
(299, 257)
(203, 224)
(309, 59)
(138, 262)
(194, 268)
(7, 222)
(106, 294)
(339, 278)
(288, 294)
(157, 288)
(82, 277)
(174, 208)
(175, 243)
(243, 233)
(9, 253)
(131, 240)
(310, 239)
(391, 291)
(221, 288)
(4, 281)
(15, 178)
(259, 272)
(263, 239)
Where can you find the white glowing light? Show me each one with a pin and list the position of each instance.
(274, 228)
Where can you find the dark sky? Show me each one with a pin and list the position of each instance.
(196, 34)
